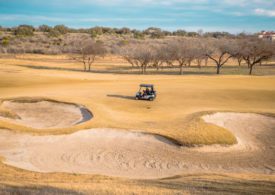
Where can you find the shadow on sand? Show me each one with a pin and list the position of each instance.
(128, 71)
(121, 96)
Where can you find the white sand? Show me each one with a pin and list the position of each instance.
(136, 155)
(46, 114)
(244, 126)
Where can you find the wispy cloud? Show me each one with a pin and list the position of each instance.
(12, 17)
(141, 2)
(248, 2)
(172, 2)
(265, 12)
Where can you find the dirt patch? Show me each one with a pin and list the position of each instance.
(45, 114)
(145, 156)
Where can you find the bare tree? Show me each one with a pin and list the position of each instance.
(239, 59)
(238, 56)
(169, 54)
(139, 54)
(254, 51)
(220, 51)
(206, 60)
(144, 56)
(86, 53)
(127, 52)
(181, 52)
(199, 51)
(158, 57)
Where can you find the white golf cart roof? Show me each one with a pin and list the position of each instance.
(146, 85)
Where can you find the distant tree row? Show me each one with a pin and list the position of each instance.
(177, 52)
(152, 32)
(182, 53)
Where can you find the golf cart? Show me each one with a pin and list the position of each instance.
(146, 92)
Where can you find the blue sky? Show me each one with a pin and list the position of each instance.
(210, 15)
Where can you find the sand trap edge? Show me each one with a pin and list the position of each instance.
(85, 112)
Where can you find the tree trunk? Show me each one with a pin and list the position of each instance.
(240, 62)
(143, 69)
(199, 63)
(181, 69)
(156, 65)
(206, 62)
(145, 66)
(250, 70)
(218, 69)
(159, 65)
(84, 64)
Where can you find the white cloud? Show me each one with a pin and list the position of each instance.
(41, 18)
(249, 2)
(265, 12)
(172, 2)
(136, 3)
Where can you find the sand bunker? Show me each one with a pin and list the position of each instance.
(245, 129)
(43, 114)
(137, 155)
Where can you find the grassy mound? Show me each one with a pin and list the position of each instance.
(198, 132)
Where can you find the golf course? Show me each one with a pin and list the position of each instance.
(67, 131)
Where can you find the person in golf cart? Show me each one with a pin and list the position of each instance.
(146, 92)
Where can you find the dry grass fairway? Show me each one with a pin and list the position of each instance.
(174, 114)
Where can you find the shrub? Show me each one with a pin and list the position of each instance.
(155, 33)
(93, 34)
(180, 33)
(192, 34)
(106, 30)
(100, 42)
(123, 42)
(5, 41)
(96, 31)
(54, 33)
(62, 29)
(24, 30)
(57, 42)
(138, 35)
(44, 28)
(123, 31)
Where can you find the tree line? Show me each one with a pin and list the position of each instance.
(177, 52)
(181, 53)
(152, 32)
